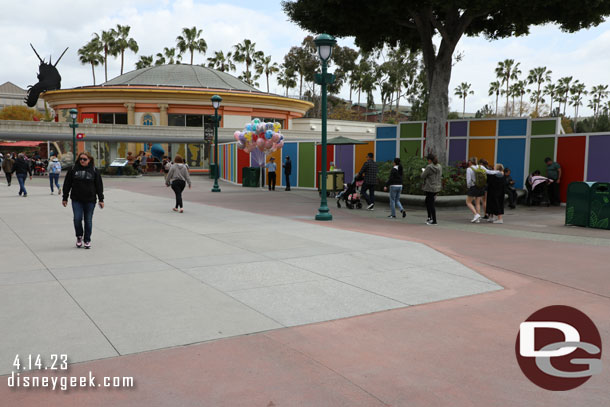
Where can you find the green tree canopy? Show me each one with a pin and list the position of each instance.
(414, 23)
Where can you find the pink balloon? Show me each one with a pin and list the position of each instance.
(236, 135)
(280, 144)
(260, 143)
(275, 138)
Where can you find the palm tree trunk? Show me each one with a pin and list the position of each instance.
(507, 95)
(122, 60)
(191, 57)
(106, 64)
(497, 96)
(267, 75)
(464, 108)
(93, 72)
(301, 87)
(359, 113)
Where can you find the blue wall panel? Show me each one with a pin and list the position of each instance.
(387, 132)
(512, 128)
(290, 149)
(511, 154)
(385, 150)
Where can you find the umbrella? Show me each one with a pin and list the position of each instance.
(343, 141)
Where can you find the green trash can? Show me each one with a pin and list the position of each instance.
(599, 206)
(213, 169)
(577, 203)
(250, 176)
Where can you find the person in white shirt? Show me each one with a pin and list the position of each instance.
(271, 168)
(476, 181)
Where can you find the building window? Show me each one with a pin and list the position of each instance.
(188, 120)
(147, 120)
(194, 120)
(176, 120)
(112, 118)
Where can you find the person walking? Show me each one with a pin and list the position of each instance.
(476, 180)
(553, 172)
(432, 183)
(271, 176)
(177, 177)
(287, 171)
(22, 168)
(395, 185)
(495, 195)
(54, 170)
(369, 171)
(7, 167)
(83, 184)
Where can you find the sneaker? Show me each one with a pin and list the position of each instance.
(486, 217)
(181, 210)
(498, 221)
(476, 219)
(431, 223)
(20, 193)
(79, 241)
(87, 245)
(58, 191)
(175, 209)
(25, 195)
(392, 216)
(370, 207)
(52, 193)
(404, 213)
(490, 219)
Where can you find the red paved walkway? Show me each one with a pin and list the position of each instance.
(451, 353)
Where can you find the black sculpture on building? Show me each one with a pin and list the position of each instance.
(48, 79)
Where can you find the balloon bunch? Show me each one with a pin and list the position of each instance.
(260, 135)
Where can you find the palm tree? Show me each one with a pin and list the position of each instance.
(494, 88)
(190, 40)
(122, 42)
(220, 62)
(599, 93)
(564, 89)
(91, 53)
(507, 70)
(144, 62)
(551, 90)
(537, 99)
(539, 76)
(577, 91)
(265, 66)
(462, 91)
(520, 90)
(245, 52)
(168, 56)
(108, 44)
(287, 78)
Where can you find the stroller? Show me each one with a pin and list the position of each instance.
(538, 195)
(351, 194)
(40, 167)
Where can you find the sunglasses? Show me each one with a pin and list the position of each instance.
(83, 159)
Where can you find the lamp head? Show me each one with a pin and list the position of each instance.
(73, 114)
(216, 101)
(325, 44)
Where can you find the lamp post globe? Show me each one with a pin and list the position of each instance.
(325, 44)
(74, 125)
(216, 104)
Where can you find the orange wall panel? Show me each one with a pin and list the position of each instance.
(361, 151)
(483, 128)
(278, 162)
(482, 149)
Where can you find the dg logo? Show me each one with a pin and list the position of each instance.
(559, 348)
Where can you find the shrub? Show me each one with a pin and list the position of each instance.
(453, 178)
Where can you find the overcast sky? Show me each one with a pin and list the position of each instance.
(52, 26)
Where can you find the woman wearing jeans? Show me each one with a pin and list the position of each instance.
(395, 184)
(431, 177)
(177, 177)
(85, 183)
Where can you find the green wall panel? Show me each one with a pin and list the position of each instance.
(540, 148)
(411, 130)
(409, 148)
(307, 160)
(543, 127)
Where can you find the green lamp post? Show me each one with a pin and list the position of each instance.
(74, 125)
(216, 103)
(325, 44)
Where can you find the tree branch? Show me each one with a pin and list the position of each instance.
(437, 24)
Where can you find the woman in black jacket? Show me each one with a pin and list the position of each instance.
(85, 183)
(22, 168)
(395, 185)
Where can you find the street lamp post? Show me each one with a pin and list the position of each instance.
(324, 43)
(216, 103)
(74, 125)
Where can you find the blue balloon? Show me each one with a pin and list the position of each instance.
(157, 151)
(268, 134)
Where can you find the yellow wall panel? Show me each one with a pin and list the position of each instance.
(483, 128)
(361, 151)
(482, 149)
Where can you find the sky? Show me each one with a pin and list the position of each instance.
(53, 26)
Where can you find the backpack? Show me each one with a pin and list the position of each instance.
(55, 167)
(480, 177)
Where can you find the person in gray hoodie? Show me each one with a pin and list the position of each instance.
(177, 177)
(431, 177)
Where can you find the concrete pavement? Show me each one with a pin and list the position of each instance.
(247, 261)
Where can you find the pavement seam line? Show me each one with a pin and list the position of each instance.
(63, 287)
(316, 361)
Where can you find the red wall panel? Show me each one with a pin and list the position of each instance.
(571, 157)
(330, 156)
(243, 160)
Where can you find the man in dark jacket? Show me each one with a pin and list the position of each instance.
(7, 167)
(22, 168)
(85, 183)
(287, 171)
(369, 170)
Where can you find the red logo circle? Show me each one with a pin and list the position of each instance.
(558, 348)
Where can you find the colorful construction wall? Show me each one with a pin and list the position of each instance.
(520, 144)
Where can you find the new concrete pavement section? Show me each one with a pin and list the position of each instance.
(156, 279)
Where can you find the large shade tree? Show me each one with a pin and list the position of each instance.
(416, 22)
